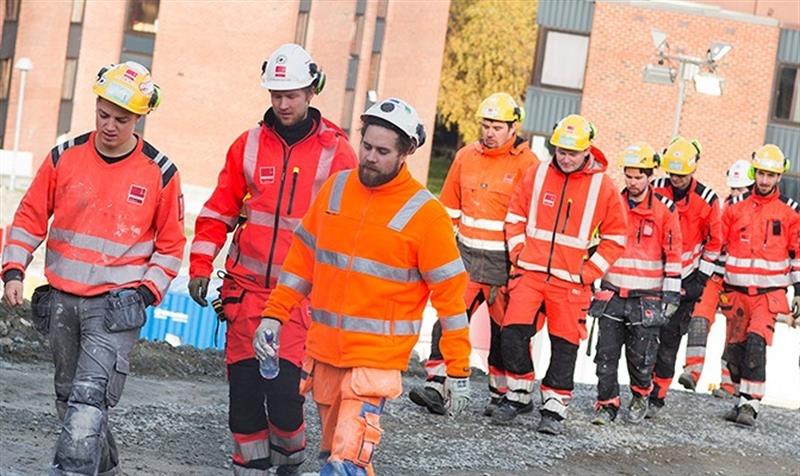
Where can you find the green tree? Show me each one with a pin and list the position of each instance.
(489, 48)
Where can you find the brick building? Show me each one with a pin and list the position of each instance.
(591, 57)
(206, 56)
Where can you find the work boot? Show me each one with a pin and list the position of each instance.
(747, 416)
(429, 398)
(549, 425)
(723, 392)
(732, 414)
(507, 410)
(288, 470)
(687, 381)
(489, 409)
(604, 415)
(654, 407)
(637, 409)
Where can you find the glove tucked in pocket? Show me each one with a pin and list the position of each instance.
(40, 308)
(652, 312)
(124, 310)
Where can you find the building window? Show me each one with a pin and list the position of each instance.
(352, 66)
(70, 67)
(787, 98)
(5, 77)
(303, 16)
(77, 11)
(142, 16)
(139, 39)
(8, 45)
(561, 59)
(12, 10)
(377, 48)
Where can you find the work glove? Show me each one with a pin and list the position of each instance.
(671, 301)
(456, 394)
(198, 288)
(694, 285)
(260, 344)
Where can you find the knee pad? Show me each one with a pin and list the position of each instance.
(515, 348)
(246, 413)
(561, 373)
(88, 394)
(755, 354)
(698, 332)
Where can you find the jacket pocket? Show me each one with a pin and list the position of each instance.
(652, 312)
(41, 308)
(116, 380)
(777, 303)
(124, 310)
(384, 383)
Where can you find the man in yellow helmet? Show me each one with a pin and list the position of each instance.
(699, 212)
(476, 193)
(114, 245)
(761, 233)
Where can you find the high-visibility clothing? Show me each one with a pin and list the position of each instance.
(762, 239)
(652, 259)
(281, 181)
(706, 308)
(114, 225)
(368, 258)
(701, 231)
(553, 216)
(476, 194)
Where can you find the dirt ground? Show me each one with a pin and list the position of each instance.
(172, 420)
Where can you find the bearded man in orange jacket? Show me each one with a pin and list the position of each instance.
(372, 249)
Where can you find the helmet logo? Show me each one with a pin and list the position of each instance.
(387, 106)
(677, 153)
(280, 71)
(130, 75)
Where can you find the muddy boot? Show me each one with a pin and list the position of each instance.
(549, 425)
(490, 407)
(747, 416)
(288, 470)
(604, 415)
(637, 409)
(723, 392)
(428, 398)
(506, 411)
(687, 381)
(732, 414)
(655, 406)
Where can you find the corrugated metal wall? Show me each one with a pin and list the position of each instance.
(545, 107)
(572, 15)
(789, 46)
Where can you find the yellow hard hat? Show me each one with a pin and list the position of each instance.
(769, 158)
(681, 156)
(129, 86)
(501, 107)
(639, 155)
(573, 132)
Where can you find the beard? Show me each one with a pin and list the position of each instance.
(370, 177)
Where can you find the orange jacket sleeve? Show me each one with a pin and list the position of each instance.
(451, 191)
(29, 227)
(713, 242)
(613, 227)
(220, 213)
(165, 262)
(517, 216)
(441, 267)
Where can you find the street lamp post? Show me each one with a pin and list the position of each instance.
(23, 65)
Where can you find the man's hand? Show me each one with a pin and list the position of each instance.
(12, 293)
(456, 394)
(671, 301)
(198, 288)
(264, 349)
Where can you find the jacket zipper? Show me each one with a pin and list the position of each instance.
(639, 233)
(566, 216)
(555, 227)
(286, 153)
(295, 174)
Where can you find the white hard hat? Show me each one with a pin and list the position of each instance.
(738, 176)
(399, 113)
(291, 67)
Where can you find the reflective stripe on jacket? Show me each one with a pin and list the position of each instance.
(476, 194)
(652, 257)
(554, 219)
(762, 241)
(114, 225)
(281, 181)
(369, 259)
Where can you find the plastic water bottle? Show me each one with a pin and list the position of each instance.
(269, 367)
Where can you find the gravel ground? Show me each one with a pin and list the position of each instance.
(172, 420)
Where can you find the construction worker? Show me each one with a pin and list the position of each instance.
(373, 247)
(640, 290)
(476, 193)
(738, 181)
(271, 173)
(555, 211)
(114, 245)
(699, 212)
(761, 234)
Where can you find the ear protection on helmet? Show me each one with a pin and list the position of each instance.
(421, 135)
(102, 71)
(155, 98)
(657, 159)
(592, 131)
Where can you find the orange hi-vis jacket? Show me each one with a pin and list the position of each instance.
(652, 257)
(476, 194)
(762, 242)
(281, 181)
(554, 218)
(114, 225)
(369, 259)
(701, 230)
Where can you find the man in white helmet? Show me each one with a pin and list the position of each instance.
(270, 176)
(739, 181)
(372, 249)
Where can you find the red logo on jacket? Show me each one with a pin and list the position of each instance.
(136, 194)
(549, 199)
(266, 174)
